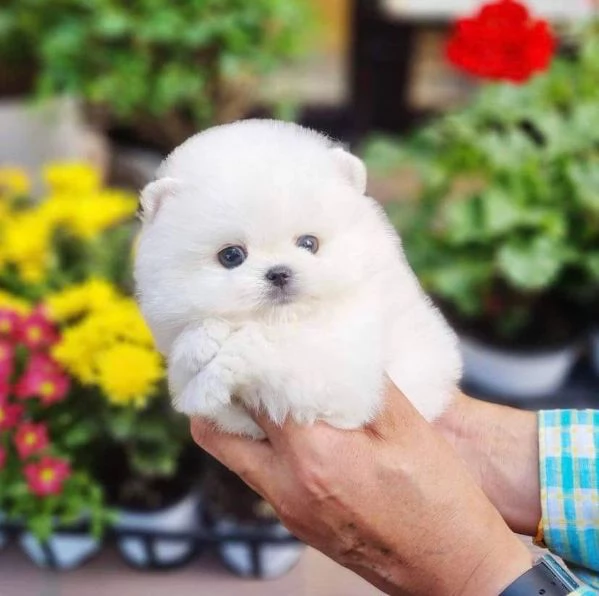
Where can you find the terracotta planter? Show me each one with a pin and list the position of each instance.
(504, 373)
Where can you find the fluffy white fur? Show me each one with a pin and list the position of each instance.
(353, 311)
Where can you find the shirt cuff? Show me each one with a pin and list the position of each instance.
(569, 477)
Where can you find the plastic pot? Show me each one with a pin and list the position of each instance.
(64, 550)
(505, 373)
(148, 553)
(262, 560)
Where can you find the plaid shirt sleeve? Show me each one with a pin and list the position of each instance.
(569, 473)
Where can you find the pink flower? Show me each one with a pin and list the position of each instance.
(49, 385)
(47, 476)
(41, 362)
(9, 323)
(7, 358)
(37, 332)
(30, 438)
(10, 414)
(2, 457)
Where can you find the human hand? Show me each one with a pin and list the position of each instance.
(500, 447)
(392, 501)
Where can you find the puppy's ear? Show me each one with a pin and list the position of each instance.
(153, 196)
(352, 168)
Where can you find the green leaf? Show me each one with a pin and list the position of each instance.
(585, 181)
(463, 218)
(460, 282)
(500, 213)
(532, 265)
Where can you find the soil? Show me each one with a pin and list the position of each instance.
(553, 322)
(124, 490)
(226, 496)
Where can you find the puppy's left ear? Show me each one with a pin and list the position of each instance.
(352, 168)
(153, 196)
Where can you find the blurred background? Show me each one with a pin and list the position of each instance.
(479, 124)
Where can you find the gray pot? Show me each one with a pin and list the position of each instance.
(273, 560)
(180, 517)
(505, 373)
(594, 348)
(69, 550)
(3, 536)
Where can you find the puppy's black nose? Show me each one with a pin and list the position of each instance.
(279, 276)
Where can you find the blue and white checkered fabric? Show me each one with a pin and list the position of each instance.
(569, 473)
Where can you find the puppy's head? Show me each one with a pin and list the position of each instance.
(253, 219)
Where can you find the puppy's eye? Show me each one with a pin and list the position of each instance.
(232, 256)
(308, 242)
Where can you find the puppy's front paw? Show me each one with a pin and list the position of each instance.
(207, 393)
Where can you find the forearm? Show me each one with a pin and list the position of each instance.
(500, 447)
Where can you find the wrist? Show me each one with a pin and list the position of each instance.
(500, 448)
(498, 569)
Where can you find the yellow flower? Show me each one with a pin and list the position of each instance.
(88, 215)
(72, 178)
(14, 182)
(13, 303)
(128, 374)
(113, 325)
(26, 243)
(92, 295)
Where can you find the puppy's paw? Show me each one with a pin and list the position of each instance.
(207, 393)
(197, 346)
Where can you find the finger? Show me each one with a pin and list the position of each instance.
(291, 435)
(396, 413)
(248, 458)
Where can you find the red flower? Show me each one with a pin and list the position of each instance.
(37, 332)
(10, 414)
(30, 438)
(9, 323)
(7, 357)
(47, 383)
(4, 390)
(502, 41)
(2, 457)
(47, 476)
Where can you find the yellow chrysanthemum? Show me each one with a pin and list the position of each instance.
(26, 239)
(13, 303)
(111, 324)
(90, 296)
(74, 179)
(14, 182)
(128, 374)
(89, 215)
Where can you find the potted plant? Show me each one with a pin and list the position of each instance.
(67, 258)
(45, 483)
(505, 231)
(160, 69)
(232, 509)
(141, 455)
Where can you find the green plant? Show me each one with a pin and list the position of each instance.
(65, 279)
(505, 234)
(153, 58)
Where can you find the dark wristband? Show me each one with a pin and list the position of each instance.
(546, 578)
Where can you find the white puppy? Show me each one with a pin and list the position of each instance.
(270, 281)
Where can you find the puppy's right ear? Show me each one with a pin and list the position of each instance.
(153, 196)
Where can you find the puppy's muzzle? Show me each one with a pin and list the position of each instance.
(279, 276)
